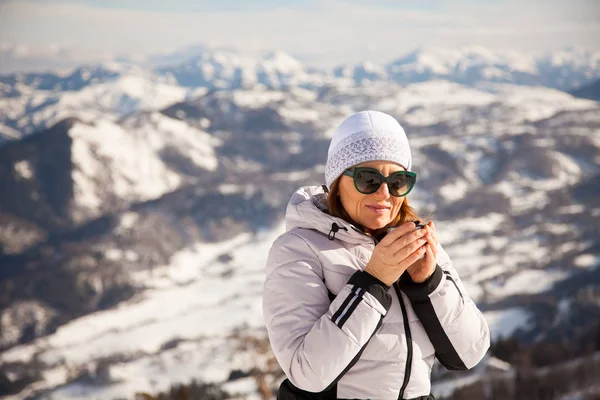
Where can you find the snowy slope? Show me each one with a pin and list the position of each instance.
(173, 211)
(177, 330)
(225, 69)
(129, 159)
(563, 69)
(38, 109)
(34, 101)
(499, 107)
(195, 300)
(460, 63)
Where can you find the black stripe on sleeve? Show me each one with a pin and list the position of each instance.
(344, 304)
(346, 314)
(448, 276)
(444, 351)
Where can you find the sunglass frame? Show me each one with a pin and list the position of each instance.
(384, 179)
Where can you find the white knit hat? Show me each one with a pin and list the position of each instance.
(366, 136)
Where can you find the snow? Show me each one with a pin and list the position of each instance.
(565, 172)
(126, 222)
(125, 94)
(439, 101)
(245, 386)
(452, 232)
(137, 172)
(503, 323)
(454, 190)
(207, 291)
(474, 290)
(559, 229)
(229, 188)
(373, 68)
(191, 300)
(572, 209)
(521, 201)
(118, 254)
(535, 103)
(22, 312)
(498, 364)
(8, 132)
(299, 114)
(573, 56)
(487, 223)
(292, 176)
(441, 93)
(85, 195)
(445, 388)
(204, 123)
(526, 282)
(226, 69)
(282, 62)
(196, 144)
(562, 310)
(586, 261)
(127, 158)
(134, 90)
(495, 73)
(256, 99)
(488, 273)
(23, 169)
(444, 61)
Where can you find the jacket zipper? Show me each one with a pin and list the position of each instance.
(409, 347)
(407, 369)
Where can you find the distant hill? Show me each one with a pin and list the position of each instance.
(591, 91)
(136, 214)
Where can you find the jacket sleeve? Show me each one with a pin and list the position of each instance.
(454, 324)
(316, 340)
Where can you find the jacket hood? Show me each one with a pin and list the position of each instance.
(308, 209)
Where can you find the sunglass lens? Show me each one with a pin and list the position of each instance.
(400, 184)
(367, 181)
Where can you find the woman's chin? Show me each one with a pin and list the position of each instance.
(377, 224)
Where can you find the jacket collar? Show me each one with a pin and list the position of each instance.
(308, 209)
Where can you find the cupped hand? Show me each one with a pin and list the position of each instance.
(397, 251)
(422, 269)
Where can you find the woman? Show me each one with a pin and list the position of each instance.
(353, 312)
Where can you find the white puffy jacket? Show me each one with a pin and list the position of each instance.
(336, 329)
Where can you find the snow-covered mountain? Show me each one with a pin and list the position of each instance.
(31, 101)
(565, 69)
(132, 242)
(219, 70)
(471, 65)
(89, 94)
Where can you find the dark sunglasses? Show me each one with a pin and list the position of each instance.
(368, 180)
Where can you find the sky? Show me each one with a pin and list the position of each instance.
(43, 34)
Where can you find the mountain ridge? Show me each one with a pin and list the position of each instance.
(558, 69)
(133, 241)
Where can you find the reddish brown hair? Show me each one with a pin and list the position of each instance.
(335, 208)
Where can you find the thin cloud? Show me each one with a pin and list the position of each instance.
(327, 33)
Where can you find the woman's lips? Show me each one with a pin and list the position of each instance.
(378, 209)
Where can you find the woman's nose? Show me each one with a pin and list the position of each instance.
(383, 192)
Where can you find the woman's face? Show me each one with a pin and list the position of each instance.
(375, 210)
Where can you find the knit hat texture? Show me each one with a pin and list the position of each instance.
(366, 136)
